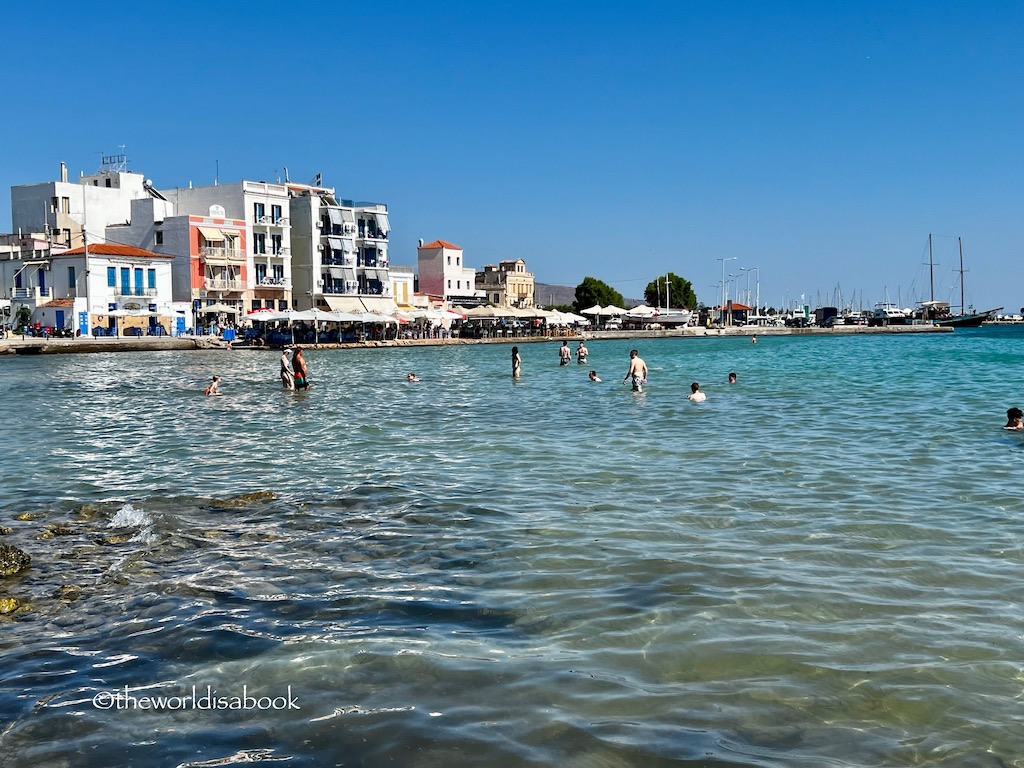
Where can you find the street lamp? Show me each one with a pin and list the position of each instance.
(724, 259)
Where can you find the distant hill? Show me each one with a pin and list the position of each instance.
(547, 295)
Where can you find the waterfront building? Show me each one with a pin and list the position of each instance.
(264, 208)
(507, 285)
(340, 253)
(113, 290)
(62, 285)
(442, 272)
(403, 286)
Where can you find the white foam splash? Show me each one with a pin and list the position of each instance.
(130, 517)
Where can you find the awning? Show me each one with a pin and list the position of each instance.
(335, 214)
(376, 274)
(348, 216)
(348, 245)
(382, 222)
(385, 306)
(212, 235)
(347, 273)
(344, 303)
(336, 272)
(335, 243)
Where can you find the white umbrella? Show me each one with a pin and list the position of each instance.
(218, 308)
(597, 309)
(611, 309)
(490, 312)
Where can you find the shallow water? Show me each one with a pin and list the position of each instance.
(818, 566)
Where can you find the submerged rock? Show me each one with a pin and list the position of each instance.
(55, 529)
(5, 531)
(244, 499)
(9, 605)
(69, 592)
(13, 560)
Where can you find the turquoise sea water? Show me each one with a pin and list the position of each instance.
(821, 565)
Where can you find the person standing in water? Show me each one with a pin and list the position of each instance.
(301, 371)
(214, 388)
(517, 363)
(287, 374)
(637, 371)
(581, 354)
(695, 394)
(564, 355)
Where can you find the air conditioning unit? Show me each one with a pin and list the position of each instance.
(319, 224)
(320, 247)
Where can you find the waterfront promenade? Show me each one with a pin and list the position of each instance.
(33, 345)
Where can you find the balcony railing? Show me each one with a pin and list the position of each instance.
(280, 253)
(214, 284)
(126, 290)
(274, 282)
(222, 254)
(270, 221)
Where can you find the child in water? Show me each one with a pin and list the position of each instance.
(1014, 419)
(214, 388)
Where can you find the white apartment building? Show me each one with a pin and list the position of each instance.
(340, 252)
(265, 209)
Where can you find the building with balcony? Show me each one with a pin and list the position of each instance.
(507, 285)
(443, 273)
(340, 252)
(109, 287)
(265, 210)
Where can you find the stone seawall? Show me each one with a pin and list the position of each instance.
(33, 346)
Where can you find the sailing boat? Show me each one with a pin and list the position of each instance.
(939, 311)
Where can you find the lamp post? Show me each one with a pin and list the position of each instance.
(732, 279)
(724, 259)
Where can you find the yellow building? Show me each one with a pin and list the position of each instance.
(507, 285)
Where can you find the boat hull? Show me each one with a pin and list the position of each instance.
(968, 321)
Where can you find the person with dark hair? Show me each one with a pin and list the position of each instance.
(637, 371)
(732, 377)
(1014, 419)
(695, 394)
(517, 363)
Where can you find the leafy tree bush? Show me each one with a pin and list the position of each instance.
(593, 291)
(680, 292)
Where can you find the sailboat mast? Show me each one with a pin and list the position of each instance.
(960, 240)
(931, 268)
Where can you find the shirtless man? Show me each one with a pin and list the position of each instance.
(214, 388)
(1014, 419)
(564, 355)
(637, 371)
(301, 371)
(581, 354)
(517, 363)
(695, 394)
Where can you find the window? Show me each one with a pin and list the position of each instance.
(71, 278)
(449, 261)
(53, 205)
(456, 261)
(111, 277)
(257, 304)
(259, 243)
(159, 237)
(458, 284)
(449, 284)
(151, 279)
(138, 281)
(107, 182)
(278, 271)
(275, 242)
(67, 237)
(275, 213)
(261, 273)
(126, 284)
(259, 211)
(17, 279)
(282, 304)
(65, 205)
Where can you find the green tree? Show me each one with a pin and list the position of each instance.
(680, 292)
(593, 291)
(23, 315)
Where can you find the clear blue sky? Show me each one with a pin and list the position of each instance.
(817, 141)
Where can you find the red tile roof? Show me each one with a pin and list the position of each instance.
(112, 249)
(442, 244)
(58, 303)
